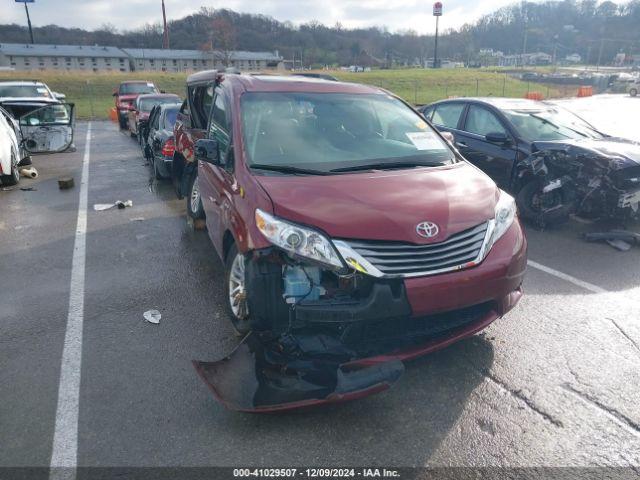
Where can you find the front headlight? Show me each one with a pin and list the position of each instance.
(298, 240)
(505, 213)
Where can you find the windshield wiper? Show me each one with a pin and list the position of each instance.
(287, 169)
(387, 166)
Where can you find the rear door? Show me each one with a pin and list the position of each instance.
(496, 160)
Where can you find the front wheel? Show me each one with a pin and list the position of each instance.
(545, 207)
(633, 92)
(194, 199)
(236, 291)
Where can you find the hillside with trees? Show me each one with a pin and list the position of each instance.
(593, 30)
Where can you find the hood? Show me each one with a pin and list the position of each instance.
(620, 151)
(386, 205)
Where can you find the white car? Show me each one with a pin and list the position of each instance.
(28, 90)
(10, 149)
(28, 127)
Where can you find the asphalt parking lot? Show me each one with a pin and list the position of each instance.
(554, 383)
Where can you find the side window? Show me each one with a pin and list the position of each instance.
(219, 127)
(481, 121)
(156, 118)
(201, 98)
(447, 115)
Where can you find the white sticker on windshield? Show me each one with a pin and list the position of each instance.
(41, 90)
(425, 140)
(150, 84)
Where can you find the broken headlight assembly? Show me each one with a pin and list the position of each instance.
(298, 240)
(505, 214)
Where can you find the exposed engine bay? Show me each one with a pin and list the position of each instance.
(589, 179)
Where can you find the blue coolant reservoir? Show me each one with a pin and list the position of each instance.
(301, 283)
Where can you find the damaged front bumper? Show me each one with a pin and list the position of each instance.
(349, 338)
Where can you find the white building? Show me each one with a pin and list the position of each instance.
(97, 58)
(63, 57)
(193, 60)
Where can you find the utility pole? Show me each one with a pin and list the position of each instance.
(526, 32)
(26, 9)
(165, 35)
(437, 12)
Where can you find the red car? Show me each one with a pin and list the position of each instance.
(354, 237)
(126, 94)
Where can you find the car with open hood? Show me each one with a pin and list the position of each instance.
(555, 162)
(353, 237)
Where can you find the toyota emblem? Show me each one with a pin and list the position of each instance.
(427, 229)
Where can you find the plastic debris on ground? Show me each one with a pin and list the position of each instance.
(29, 172)
(619, 239)
(98, 207)
(152, 316)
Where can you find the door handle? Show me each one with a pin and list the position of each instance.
(461, 144)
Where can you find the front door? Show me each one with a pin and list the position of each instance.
(495, 159)
(217, 181)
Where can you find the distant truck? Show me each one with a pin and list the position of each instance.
(125, 96)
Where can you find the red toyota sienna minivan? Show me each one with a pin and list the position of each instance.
(337, 208)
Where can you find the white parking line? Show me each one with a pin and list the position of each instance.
(568, 278)
(65, 438)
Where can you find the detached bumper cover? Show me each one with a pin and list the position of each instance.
(261, 376)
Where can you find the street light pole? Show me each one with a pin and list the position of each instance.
(26, 9)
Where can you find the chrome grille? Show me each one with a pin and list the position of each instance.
(408, 259)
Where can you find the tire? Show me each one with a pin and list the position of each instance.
(122, 121)
(236, 292)
(14, 176)
(549, 208)
(156, 172)
(194, 201)
(633, 92)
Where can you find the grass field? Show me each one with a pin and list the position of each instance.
(92, 92)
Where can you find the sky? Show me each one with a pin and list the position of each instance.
(396, 15)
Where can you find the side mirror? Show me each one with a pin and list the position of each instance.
(449, 137)
(497, 137)
(206, 150)
(115, 93)
(59, 96)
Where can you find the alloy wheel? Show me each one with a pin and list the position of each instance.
(237, 289)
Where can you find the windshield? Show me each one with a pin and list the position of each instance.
(327, 131)
(137, 88)
(146, 104)
(22, 91)
(551, 124)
